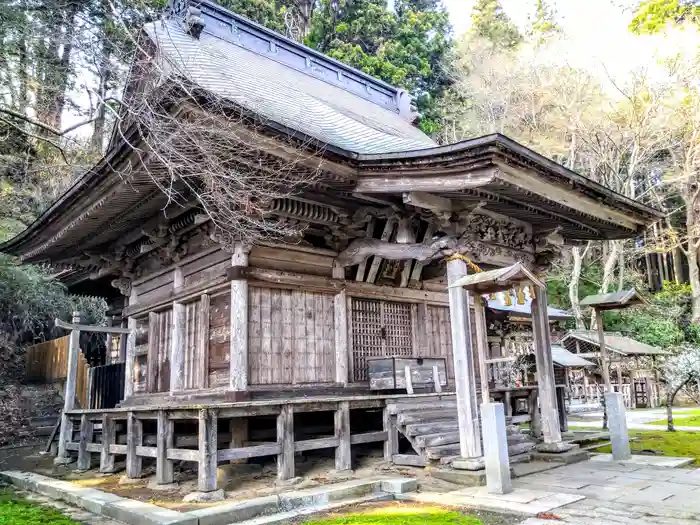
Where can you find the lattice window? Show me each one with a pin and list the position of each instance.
(379, 329)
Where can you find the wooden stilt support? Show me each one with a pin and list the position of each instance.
(85, 438)
(165, 439)
(238, 428)
(285, 438)
(343, 454)
(134, 438)
(391, 445)
(109, 437)
(208, 429)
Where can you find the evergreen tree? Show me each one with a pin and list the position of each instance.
(404, 47)
(543, 25)
(489, 21)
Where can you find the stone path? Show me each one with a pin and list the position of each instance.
(620, 494)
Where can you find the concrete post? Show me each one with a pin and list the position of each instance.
(617, 424)
(496, 458)
(465, 382)
(69, 394)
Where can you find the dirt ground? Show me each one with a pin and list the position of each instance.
(240, 481)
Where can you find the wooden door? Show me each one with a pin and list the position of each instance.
(641, 398)
(379, 329)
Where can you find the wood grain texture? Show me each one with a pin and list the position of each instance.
(165, 439)
(219, 339)
(291, 337)
(343, 456)
(208, 455)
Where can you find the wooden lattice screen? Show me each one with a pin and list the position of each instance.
(379, 329)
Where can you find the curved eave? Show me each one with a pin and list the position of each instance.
(427, 159)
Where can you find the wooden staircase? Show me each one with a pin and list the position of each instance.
(431, 428)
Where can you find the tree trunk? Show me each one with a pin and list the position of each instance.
(678, 265)
(608, 271)
(573, 287)
(621, 268)
(670, 397)
(105, 76)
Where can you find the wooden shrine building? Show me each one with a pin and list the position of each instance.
(239, 351)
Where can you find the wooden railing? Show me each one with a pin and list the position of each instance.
(47, 362)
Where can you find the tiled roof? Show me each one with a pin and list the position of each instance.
(285, 95)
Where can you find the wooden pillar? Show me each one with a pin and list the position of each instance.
(208, 454)
(178, 341)
(604, 357)
(134, 438)
(85, 438)
(545, 368)
(285, 439)
(391, 445)
(482, 345)
(343, 455)
(202, 363)
(238, 428)
(238, 380)
(535, 419)
(340, 308)
(109, 437)
(465, 382)
(165, 439)
(130, 361)
(66, 433)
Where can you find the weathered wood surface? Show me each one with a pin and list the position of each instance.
(390, 372)
(178, 346)
(109, 431)
(165, 440)
(86, 433)
(343, 456)
(219, 339)
(285, 439)
(239, 341)
(465, 382)
(201, 365)
(206, 471)
(482, 346)
(292, 337)
(134, 438)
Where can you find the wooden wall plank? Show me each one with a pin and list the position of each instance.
(292, 334)
(219, 339)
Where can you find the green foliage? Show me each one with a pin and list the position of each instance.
(652, 16)
(30, 300)
(15, 510)
(489, 21)
(544, 24)
(405, 47)
(265, 12)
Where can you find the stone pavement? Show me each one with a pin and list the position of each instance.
(620, 494)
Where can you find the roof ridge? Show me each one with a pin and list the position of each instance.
(226, 25)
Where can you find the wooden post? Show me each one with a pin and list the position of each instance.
(109, 437)
(340, 308)
(134, 438)
(90, 395)
(208, 429)
(620, 382)
(343, 455)
(152, 355)
(285, 438)
(202, 364)
(165, 439)
(238, 380)
(391, 445)
(408, 379)
(535, 420)
(465, 382)
(238, 428)
(482, 346)
(436, 380)
(604, 357)
(178, 341)
(69, 394)
(130, 360)
(85, 438)
(545, 367)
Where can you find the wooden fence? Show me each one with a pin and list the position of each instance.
(48, 363)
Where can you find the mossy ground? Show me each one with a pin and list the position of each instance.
(15, 510)
(679, 444)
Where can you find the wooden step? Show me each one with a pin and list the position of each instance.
(420, 429)
(441, 451)
(440, 438)
(426, 416)
(399, 408)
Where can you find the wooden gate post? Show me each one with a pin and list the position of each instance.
(69, 394)
(465, 381)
